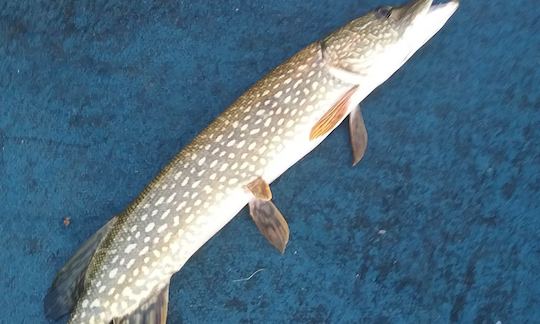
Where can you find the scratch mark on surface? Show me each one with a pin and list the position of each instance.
(248, 278)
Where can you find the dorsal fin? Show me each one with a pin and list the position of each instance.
(333, 116)
(69, 282)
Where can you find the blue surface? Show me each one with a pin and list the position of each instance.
(96, 98)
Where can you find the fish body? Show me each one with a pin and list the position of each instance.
(122, 273)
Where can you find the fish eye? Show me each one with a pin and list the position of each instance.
(384, 12)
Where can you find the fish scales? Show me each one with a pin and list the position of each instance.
(126, 266)
(262, 134)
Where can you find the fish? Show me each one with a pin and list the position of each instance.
(122, 273)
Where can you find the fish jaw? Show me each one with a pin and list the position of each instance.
(427, 25)
(370, 49)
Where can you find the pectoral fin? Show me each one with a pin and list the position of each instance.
(333, 116)
(266, 216)
(359, 136)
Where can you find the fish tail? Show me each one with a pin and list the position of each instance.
(68, 285)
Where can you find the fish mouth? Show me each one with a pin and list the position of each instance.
(430, 18)
(438, 14)
(424, 19)
(417, 8)
(425, 9)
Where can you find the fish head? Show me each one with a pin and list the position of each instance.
(376, 45)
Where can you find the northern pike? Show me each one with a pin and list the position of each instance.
(122, 273)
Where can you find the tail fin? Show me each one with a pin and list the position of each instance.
(69, 282)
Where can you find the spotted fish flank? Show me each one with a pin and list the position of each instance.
(122, 273)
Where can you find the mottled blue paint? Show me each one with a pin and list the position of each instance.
(96, 98)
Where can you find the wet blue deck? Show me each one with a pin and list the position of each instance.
(95, 99)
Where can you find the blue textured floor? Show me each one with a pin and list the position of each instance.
(95, 99)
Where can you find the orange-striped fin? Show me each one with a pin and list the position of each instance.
(333, 116)
(260, 189)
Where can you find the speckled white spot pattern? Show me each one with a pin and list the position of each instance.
(182, 194)
(262, 134)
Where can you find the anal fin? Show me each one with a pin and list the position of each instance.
(152, 311)
(266, 216)
(69, 282)
(359, 136)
